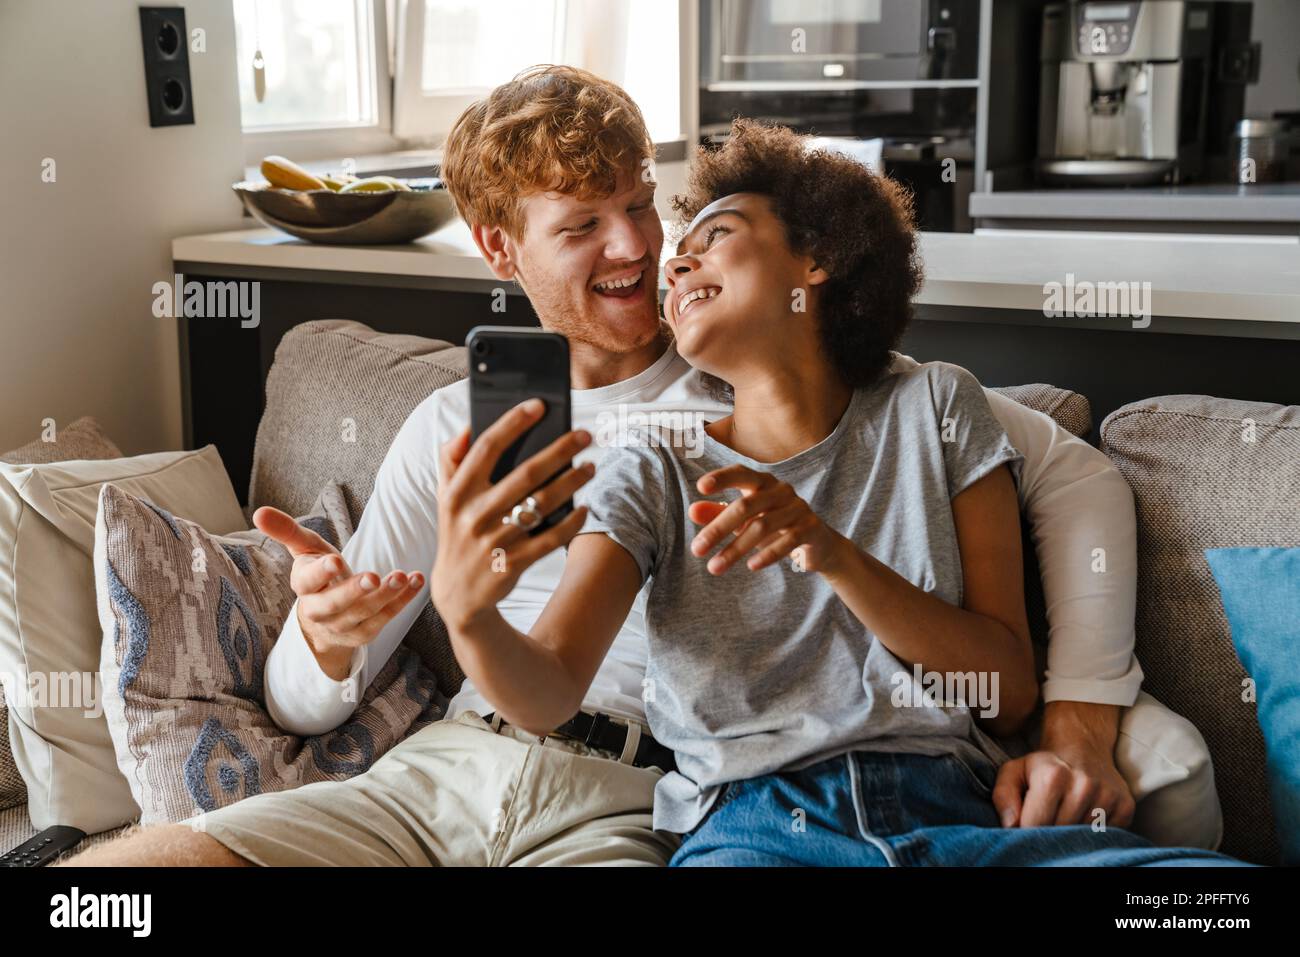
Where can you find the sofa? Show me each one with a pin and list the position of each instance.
(1194, 482)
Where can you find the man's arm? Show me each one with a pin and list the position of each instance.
(1082, 522)
(1084, 529)
(313, 685)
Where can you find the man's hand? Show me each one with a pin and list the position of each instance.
(480, 553)
(337, 610)
(1071, 775)
(768, 519)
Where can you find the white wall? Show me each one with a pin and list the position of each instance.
(79, 256)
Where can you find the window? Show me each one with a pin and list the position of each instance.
(471, 46)
(451, 52)
(334, 78)
(653, 72)
(460, 49)
(317, 60)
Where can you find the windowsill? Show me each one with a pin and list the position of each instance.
(423, 162)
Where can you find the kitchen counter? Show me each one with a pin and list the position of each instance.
(1207, 204)
(1249, 281)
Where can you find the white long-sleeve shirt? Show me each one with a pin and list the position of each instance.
(1071, 495)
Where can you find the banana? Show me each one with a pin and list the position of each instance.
(287, 174)
(336, 181)
(376, 184)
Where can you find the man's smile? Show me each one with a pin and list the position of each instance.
(621, 286)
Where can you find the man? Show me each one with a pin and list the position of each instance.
(553, 174)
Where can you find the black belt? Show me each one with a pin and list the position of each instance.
(600, 732)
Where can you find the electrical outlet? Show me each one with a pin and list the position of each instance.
(167, 66)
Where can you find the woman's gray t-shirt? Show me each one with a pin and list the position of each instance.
(755, 672)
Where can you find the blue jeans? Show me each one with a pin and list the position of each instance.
(868, 809)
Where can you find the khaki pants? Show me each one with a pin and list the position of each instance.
(458, 792)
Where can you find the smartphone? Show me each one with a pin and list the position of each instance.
(507, 365)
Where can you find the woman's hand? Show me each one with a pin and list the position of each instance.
(480, 554)
(768, 519)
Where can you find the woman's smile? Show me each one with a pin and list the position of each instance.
(703, 294)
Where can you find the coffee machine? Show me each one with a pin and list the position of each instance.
(1126, 90)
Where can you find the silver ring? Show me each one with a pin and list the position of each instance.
(524, 515)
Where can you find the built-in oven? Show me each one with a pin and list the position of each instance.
(841, 41)
(904, 72)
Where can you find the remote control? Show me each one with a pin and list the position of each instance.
(43, 848)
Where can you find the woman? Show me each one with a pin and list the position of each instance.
(876, 523)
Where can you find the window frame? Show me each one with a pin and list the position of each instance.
(329, 143)
(314, 143)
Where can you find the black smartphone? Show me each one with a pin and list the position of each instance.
(507, 365)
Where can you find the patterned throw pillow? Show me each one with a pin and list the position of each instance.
(189, 619)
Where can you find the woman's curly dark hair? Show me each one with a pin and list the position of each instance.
(856, 225)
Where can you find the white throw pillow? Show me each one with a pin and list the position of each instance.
(49, 627)
(1166, 764)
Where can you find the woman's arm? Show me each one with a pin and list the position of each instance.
(537, 681)
(989, 634)
(481, 555)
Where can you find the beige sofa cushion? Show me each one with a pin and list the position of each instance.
(335, 397)
(1166, 764)
(1070, 410)
(1207, 473)
(49, 628)
(80, 439)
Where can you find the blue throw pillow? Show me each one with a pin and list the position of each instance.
(1260, 588)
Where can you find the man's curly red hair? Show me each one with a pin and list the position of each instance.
(550, 128)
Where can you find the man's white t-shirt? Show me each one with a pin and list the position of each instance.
(1071, 495)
